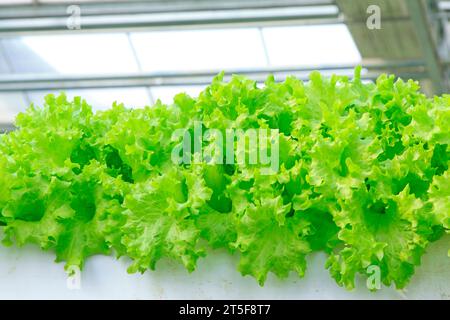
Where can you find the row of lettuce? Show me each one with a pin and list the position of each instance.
(363, 177)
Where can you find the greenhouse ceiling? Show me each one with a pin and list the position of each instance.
(136, 52)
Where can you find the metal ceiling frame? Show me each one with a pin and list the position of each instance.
(138, 15)
(436, 68)
(16, 20)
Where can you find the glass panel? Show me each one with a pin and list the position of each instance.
(4, 68)
(11, 103)
(310, 45)
(71, 54)
(199, 49)
(10, 2)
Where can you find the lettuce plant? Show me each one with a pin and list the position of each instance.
(363, 176)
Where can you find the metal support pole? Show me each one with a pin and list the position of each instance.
(421, 25)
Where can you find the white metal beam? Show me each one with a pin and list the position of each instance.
(30, 82)
(99, 8)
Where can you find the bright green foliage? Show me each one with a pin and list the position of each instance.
(364, 176)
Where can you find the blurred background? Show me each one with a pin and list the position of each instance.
(136, 52)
